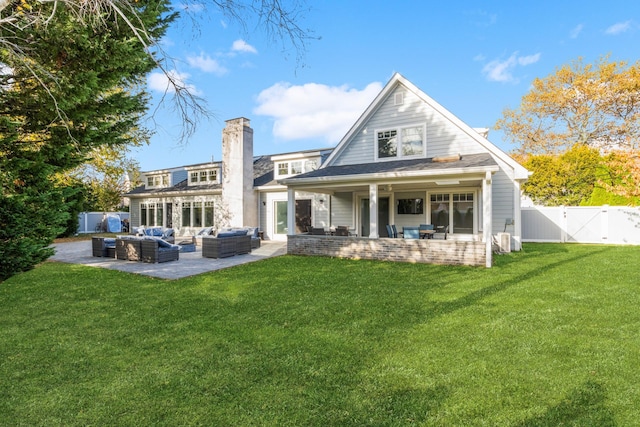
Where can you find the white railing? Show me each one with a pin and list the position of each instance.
(578, 224)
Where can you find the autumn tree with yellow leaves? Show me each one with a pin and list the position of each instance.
(591, 105)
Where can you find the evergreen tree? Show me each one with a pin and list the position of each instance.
(81, 88)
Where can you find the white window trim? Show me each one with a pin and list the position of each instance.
(477, 217)
(157, 181)
(398, 130)
(198, 178)
(304, 166)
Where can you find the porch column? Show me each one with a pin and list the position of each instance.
(291, 211)
(373, 211)
(486, 216)
(517, 217)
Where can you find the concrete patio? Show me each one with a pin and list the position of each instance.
(189, 264)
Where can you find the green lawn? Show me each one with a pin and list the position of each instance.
(548, 336)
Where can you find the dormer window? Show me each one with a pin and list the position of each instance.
(296, 167)
(158, 181)
(204, 176)
(401, 143)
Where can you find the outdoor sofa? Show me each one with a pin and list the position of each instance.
(145, 249)
(226, 243)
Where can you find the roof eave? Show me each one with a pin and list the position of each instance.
(385, 176)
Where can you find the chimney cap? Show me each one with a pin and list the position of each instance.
(239, 121)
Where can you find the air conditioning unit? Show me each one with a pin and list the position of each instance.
(504, 242)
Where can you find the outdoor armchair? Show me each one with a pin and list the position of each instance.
(155, 250)
(103, 246)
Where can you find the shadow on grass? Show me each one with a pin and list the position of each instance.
(409, 406)
(585, 406)
(476, 296)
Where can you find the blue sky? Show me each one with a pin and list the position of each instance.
(474, 58)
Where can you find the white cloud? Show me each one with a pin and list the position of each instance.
(242, 46)
(314, 110)
(528, 60)
(159, 82)
(575, 32)
(619, 28)
(502, 70)
(207, 64)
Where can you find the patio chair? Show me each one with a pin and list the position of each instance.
(411, 232)
(395, 231)
(318, 231)
(390, 231)
(442, 231)
(155, 250)
(103, 247)
(342, 230)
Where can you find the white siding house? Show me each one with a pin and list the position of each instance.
(406, 161)
(409, 161)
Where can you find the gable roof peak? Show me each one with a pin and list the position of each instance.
(397, 79)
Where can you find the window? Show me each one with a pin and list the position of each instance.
(204, 176)
(208, 214)
(387, 146)
(158, 214)
(151, 214)
(283, 168)
(143, 214)
(453, 209)
(406, 142)
(412, 142)
(186, 214)
(296, 168)
(197, 214)
(165, 180)
(410, 206)
(157, 180)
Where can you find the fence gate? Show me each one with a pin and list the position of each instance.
(578, 224)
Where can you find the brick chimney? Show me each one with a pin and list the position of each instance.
(238, 194)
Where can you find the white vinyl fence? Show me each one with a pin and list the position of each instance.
(593, 224)
(89, 222)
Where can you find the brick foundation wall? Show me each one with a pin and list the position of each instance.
(428, 251)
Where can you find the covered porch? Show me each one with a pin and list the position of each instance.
(442, 194)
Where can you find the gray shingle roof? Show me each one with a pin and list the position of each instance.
(465, 162)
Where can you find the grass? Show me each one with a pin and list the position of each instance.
(547, 337)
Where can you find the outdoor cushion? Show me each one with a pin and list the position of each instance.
(205, 231)
(223, 234)
(168, 233)
(161, 243)
(253, 232)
